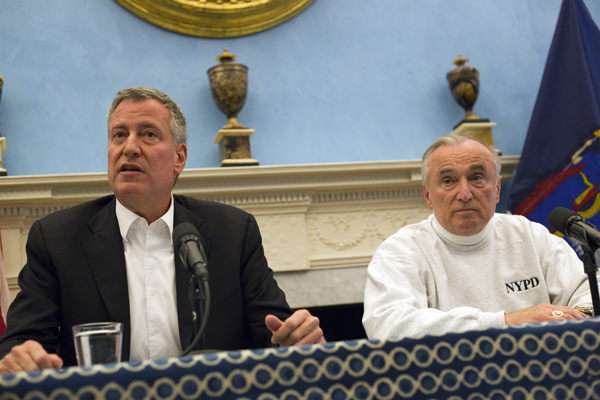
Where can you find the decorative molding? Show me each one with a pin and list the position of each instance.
(361, 230)
(259, 184)
(312, 217)
(215, 18)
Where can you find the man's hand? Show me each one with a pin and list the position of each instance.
(541, 313)
(300, 328)
(29, 356)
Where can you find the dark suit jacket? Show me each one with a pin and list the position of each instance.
(75, 273)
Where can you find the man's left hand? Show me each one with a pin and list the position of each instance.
(300, 328)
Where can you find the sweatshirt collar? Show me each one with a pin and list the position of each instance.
(460, 240)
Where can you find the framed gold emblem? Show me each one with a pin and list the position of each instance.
(215, 18)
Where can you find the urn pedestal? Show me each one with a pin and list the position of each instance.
(234, 144)
(480, 131)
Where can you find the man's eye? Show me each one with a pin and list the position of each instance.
(478, 178)
(447, 180)
(150, 135)
(118, 135)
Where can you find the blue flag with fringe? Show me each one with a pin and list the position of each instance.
(560, 161)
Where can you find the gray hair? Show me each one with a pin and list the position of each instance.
(453, 140)
(178, 125)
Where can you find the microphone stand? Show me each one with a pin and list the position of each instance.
(590, 260)
(200, 294)
(188, 246)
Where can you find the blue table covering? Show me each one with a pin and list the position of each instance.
(558, 360)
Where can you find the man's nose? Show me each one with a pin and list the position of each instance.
(464, 191)
(131, 146)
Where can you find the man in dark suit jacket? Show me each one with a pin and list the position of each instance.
(76, 260)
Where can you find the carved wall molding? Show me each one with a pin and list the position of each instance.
(312, 217)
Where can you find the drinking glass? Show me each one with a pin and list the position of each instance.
(98, 343)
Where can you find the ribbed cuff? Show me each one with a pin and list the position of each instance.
(493, 319)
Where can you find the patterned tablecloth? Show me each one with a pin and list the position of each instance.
(558, 361)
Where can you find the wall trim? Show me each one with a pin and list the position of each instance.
(312, 217)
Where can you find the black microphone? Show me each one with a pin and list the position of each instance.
(188, 244)
(574, 226)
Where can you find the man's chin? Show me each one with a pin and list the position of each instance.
(123, 189)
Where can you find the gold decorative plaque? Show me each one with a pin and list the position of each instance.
(215, 18)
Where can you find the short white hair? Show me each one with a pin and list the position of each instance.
(453, 140)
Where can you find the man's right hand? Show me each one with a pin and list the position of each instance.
(541, 313)
(29, 356)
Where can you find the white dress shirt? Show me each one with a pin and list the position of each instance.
(150, 265)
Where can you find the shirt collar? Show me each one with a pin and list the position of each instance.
(126, 218)
(459, 240)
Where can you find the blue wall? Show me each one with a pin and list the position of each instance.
(346, 80)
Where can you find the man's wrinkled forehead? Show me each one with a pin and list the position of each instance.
(142, 117)
(468, 155)
(470, 168)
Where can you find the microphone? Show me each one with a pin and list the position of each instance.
(188, 244)
(574, 226)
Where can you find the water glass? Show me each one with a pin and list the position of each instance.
(98, 343)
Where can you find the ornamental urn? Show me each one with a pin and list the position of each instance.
(229, 84)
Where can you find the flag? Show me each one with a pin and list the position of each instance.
(560, 160)
(4, 293)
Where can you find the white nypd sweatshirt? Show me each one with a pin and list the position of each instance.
(425, 280)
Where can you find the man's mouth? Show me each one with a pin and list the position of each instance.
(130, 168)
(461, 210)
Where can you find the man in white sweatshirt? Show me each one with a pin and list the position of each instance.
(466, 267)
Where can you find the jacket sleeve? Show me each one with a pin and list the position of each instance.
(33, 315)
(261, 293)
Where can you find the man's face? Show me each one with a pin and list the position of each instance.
(143, 159)
(462, 187)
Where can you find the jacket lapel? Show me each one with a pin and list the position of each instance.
(105, 254)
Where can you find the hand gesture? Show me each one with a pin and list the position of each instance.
(300, 328)
(29, 356)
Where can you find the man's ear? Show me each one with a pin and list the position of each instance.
(498, 190)
(426, 196)
(181, 157)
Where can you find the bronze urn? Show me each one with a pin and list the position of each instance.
(229, 84)
(463, 81)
